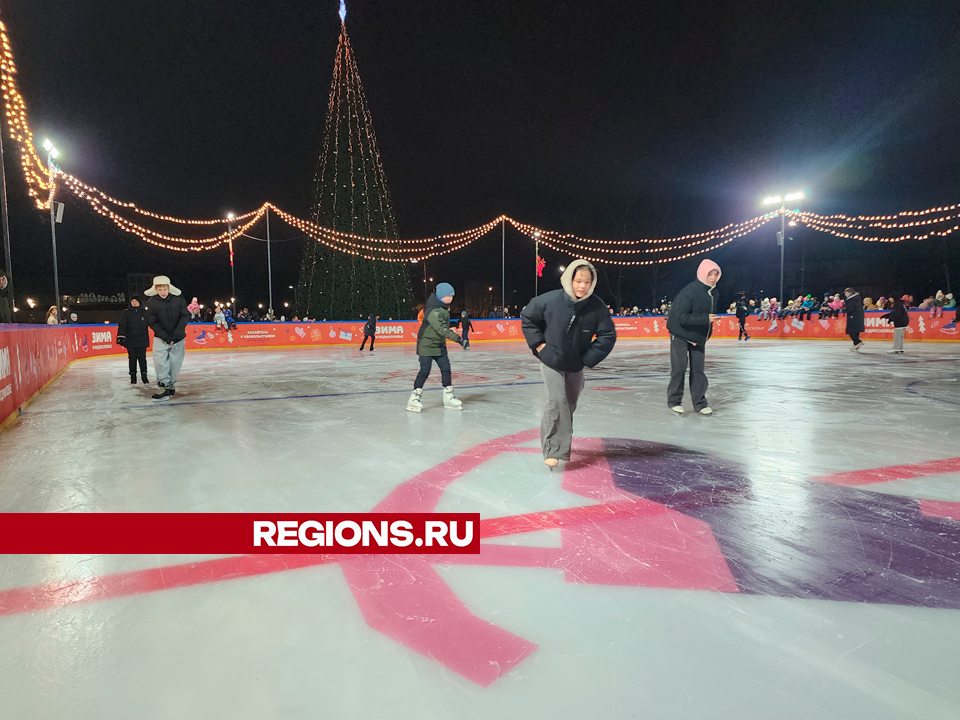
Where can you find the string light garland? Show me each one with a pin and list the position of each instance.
(391, 249)
(34, 170)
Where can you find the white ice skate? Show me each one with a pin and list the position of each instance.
(450, 400)
(414, 404)
(706, 411)
(678, 409)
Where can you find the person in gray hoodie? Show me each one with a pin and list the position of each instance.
(567, 330)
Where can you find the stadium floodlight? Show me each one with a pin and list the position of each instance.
(782, 235)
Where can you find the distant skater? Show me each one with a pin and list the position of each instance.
(567, 330)
(742, 312)
(370, 331)
(855, 325)
(432, 347)
(133, 333)
(691, 324)
(901, 321)
(466, 327)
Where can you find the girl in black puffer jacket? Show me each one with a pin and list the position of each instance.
(901, 321)
(567, 330)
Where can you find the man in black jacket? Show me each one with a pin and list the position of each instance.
(566, 329)
(167, 315)
(133, 333)
(690, 323)
(742, 312)
(370, 331)
(855, 324)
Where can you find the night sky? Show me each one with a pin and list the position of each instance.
(607, 119)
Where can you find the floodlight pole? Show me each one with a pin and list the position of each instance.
(503, 264)
(53, 228)
(783, 241)
(536, 262)
(233, 279)
(269, 266)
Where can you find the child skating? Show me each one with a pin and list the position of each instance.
(432, 346)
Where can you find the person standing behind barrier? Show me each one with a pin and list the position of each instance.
(855, 324)
(369, 331)
(133, 333)
(567, 330)
(901, 321)
(6, 302)
(167, 315)
(690, 325)
(466, 327)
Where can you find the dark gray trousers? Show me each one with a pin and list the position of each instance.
(556, 426)
(682, 353)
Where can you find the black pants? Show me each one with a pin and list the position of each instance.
(855, 336)
(137, 355)
(426, 363)
(372, 338)
(743, 327)
(682, 352)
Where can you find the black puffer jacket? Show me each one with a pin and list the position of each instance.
(690, 313)
(898, 315)
(576, 333)
(855, 314)
(168, 317)
(371, 327)
(133, 330)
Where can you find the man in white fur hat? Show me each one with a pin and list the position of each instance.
(167, 316)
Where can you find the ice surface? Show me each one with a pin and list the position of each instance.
(727, 583)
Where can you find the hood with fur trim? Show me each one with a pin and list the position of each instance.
(566, 280)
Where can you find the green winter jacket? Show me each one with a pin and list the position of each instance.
(435, 329)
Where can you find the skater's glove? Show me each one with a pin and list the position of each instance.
(121, 341)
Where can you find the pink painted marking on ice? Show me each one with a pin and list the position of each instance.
(589, 474)
(552, 519)
(140, 582)
(528, 556)
(893, 472)
(649, 545)
(940, 509)
(422, 493)
(403, 597)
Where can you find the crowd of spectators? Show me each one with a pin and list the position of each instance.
(803, 307)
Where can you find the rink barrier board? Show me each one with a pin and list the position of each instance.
(33, 356)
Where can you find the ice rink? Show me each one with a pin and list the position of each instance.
(796, 555)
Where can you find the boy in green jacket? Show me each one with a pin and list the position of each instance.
(432, 345)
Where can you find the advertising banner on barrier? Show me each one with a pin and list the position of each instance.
(31, 355)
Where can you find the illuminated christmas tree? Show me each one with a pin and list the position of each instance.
(351, 196)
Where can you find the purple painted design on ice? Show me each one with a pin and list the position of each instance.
(796, 538)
